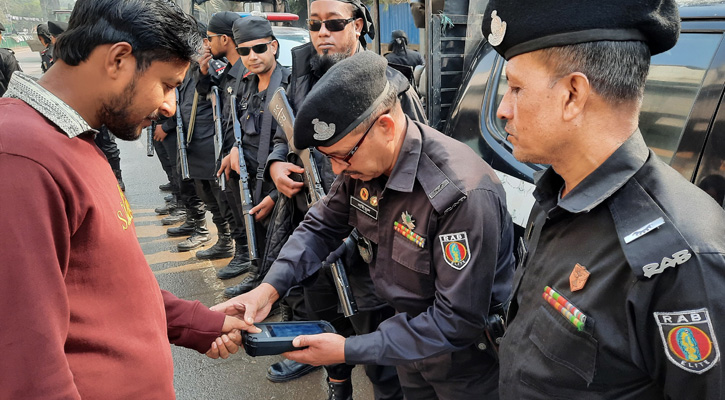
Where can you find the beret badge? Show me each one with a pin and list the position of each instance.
(323, 131)
(498, 29)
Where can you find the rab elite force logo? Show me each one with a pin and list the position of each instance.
(689, 340)
(455, 249)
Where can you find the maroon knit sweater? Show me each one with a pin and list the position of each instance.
(81, 313)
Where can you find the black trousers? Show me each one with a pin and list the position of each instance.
(465, 374)
(107, 143)
(322, 301)
(210, 193)
(163, 156)
(195, 207)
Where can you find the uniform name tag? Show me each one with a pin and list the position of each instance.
(689, 339)
(364, 208)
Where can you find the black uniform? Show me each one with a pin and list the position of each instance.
(46, 58)
(8, 65)
(202, 189)
(321, 298)
(227, 84)
(441, 280)
(653, 246)
(250, 103)
(407, 57)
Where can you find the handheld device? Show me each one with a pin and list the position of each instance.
(276, 337)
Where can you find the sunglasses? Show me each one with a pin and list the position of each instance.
(257, 48)
(332, 25)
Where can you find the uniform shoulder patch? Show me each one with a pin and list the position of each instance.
(689, 339)
(455, 249)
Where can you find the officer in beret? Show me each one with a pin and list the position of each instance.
(258, 49)
(400, 54)
(338, 29)
(619, 290)
(436, 216)
(8, 64)
(46, 56)
(222, 45)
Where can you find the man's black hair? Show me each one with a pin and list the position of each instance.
(157, 30)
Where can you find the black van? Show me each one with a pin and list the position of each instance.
(682, 119)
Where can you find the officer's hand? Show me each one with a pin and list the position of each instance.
(262, 210)
(225, 165)
(159, 134)
(234, 159)
(204, 60)
(322, 349)
(250, 307)
(280, 171)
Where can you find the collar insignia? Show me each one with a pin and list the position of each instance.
(323, 131)
(498, 29)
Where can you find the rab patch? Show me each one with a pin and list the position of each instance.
(689, 339)
(455, 249)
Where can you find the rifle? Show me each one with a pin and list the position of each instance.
(181, 141)
(244, 186)
(218, 134)
(282, 112)
(150, 139)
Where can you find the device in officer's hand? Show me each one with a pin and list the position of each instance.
(276, 337)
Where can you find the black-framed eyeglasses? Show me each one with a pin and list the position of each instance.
(346, 158)
(332, 25)
(257, 48)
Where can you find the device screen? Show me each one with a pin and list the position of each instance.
(292, 330)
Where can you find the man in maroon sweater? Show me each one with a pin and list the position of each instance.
(82, 314)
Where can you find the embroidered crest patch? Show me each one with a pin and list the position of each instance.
(689, 340)
(455, 249)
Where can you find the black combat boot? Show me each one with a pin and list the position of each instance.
(167, 208)
(249, 282)
(166, 187)
(176, 216)
(223, 248)
(187, 228)
(238, 265)
(340, 390)
(169, 197)
(198, 238)
(117, 172)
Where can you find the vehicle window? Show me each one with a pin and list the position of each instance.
(674, 80)
(285, 47)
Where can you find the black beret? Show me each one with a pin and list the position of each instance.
(251, 28)
(342, 99)
(361, 11)
(515, 27)
(221, 23)
(57, 27)
(43, 31)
